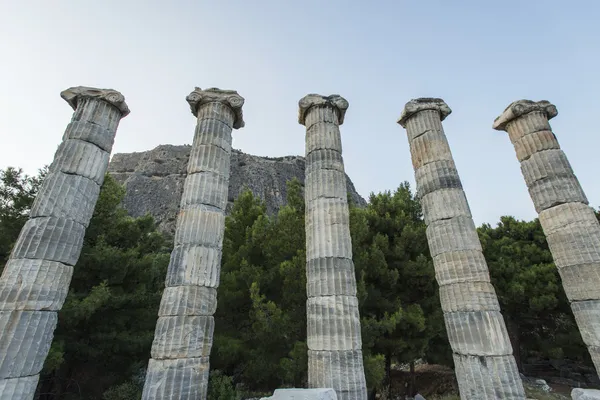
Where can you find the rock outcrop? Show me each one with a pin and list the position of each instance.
(154, 180)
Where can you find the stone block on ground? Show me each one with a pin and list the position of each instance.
(585, 394)
(302, 394)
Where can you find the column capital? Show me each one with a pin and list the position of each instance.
(421, 104)
(73, 94)
(519, 108)
(335, 101)
(230, 98)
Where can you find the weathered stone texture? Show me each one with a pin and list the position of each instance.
(329, 276)
(52, 239)
(328, 229)
(534, 142)
(183, 336)
(188, 300)
(36, 278)
(570, 225)
(461, 266)
(19, 388)
(182, 379)
(435, 176)
(25, 338)
(154, 180)
(81, 158)
(302, 394)
(585, 394)
(333, 332)
(184, 330)
(469, 296)
(194, 265)
(477, 333)
(333, 323)
(200, 225)
(30, 284)
(66, 196)
(454, 234)
(485, 367)
(488, 377)
(445, 204)
(341, 370)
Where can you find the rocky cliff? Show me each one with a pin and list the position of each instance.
(154, 180)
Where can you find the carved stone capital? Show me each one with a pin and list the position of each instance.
(335, 101)
(519, 108)
(421, 104)
(72, 96)
(230, 98)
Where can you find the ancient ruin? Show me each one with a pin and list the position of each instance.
(570, 225)
(333, 336)
(36, 279)
(179, 365)
(485, 366)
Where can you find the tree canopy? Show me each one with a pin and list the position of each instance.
(102, 342)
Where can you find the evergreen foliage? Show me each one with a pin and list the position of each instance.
(102, 342)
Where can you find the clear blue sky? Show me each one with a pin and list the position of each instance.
(477, 55)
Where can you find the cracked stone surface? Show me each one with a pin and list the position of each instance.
(36, 279)
(485, 366)
(183, 337)
(333, 335)
(570, 225)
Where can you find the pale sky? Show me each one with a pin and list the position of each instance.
(478, 56)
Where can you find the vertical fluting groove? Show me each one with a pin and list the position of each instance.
(36, 278)
(179, 364)
(570, 225)
(485, 366)
(333, 321)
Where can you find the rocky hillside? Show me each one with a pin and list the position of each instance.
(154, 180)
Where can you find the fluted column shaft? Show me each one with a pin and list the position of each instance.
(334, 338)
(178, 369)
(36, 278)
(485, 366)
(570, 225)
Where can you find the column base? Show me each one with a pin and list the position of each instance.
(342, 371)
(488, 377)
(181, 379)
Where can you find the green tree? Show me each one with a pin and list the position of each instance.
(106, 326)
(399, 301)
(17, 193)
(533, 302)
(260, 335)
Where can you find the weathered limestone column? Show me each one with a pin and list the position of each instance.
(179, 365)
(334, 338)
(36, 278)
(570, 226)
(485, 366)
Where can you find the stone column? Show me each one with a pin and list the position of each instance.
(485, 366)
(36, 278)
(183, 338)
(334, 338)
(570, 225)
